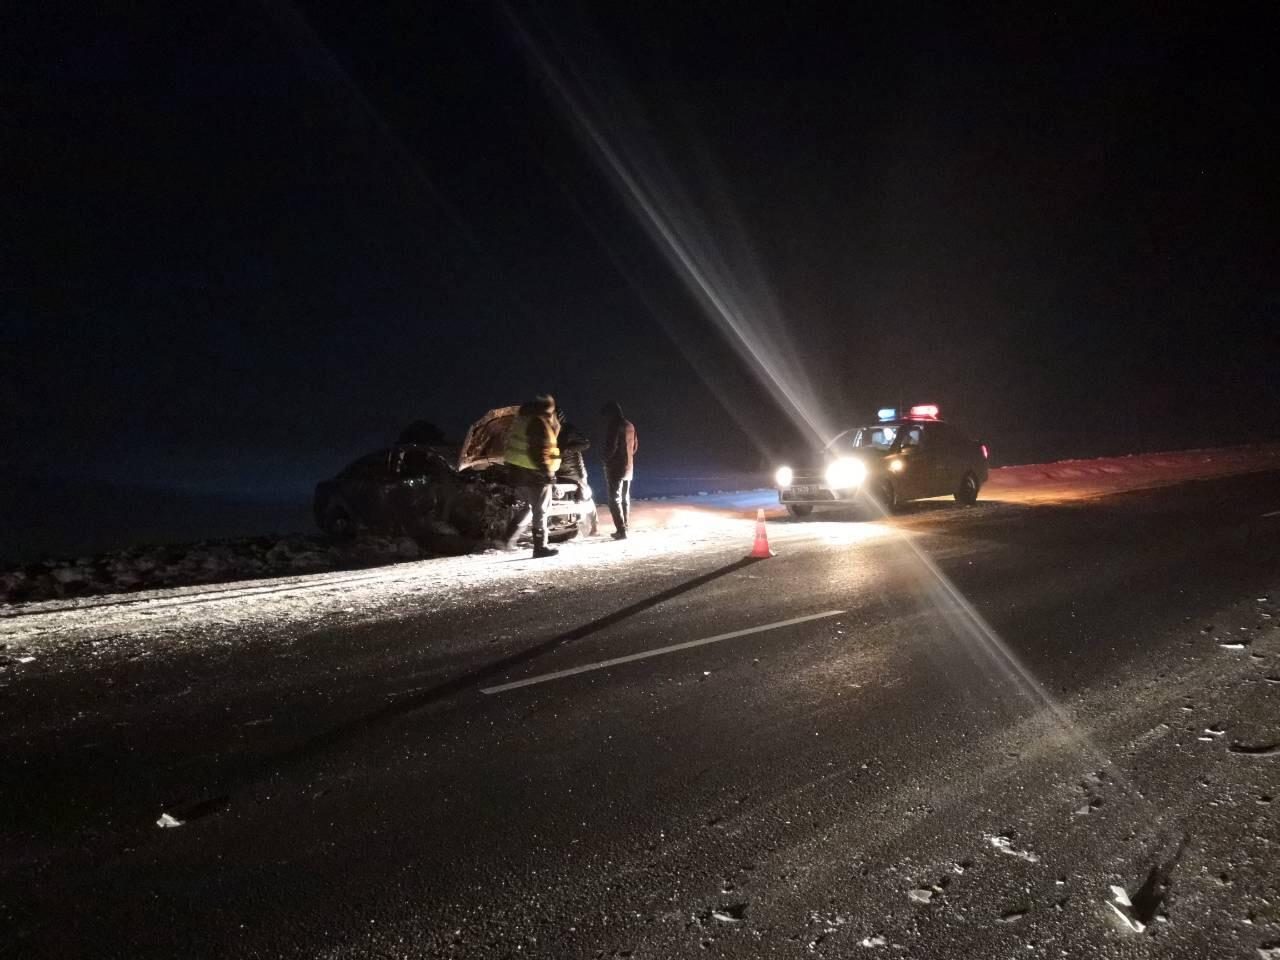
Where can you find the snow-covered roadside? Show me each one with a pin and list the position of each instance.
(148, 568)
(229, 561)
(149, 622)
(201, 562)
(1080, 479)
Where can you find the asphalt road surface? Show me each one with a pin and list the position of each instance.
(949, 734)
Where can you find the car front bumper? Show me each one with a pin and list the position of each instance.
(564, 502)
(815, 494)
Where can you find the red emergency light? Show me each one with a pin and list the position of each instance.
(924, 411)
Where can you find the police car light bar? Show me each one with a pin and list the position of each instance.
(928, 411)
(886, 413)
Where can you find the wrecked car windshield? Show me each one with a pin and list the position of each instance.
(370, 465)
(416, 462)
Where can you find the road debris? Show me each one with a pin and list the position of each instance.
(1122, 906)
(1004, 843)
(166, 821)
(1255, 750)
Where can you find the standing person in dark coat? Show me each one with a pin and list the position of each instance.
(619, 465)
(533, 456)
(573, 467)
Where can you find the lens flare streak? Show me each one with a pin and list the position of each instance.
(748, 317)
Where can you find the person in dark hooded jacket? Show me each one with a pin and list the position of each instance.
(619, 465)
(573, 467)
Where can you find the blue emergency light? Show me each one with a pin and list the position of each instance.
(887, 413)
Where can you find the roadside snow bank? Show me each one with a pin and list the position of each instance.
(146, 622)
(205, 561)
(1075, 479)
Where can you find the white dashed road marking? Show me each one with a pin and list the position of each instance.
(632, 657)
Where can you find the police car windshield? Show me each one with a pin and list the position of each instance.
(880, 437)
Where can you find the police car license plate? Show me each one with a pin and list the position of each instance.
(804, 489)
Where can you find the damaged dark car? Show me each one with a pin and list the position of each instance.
(443, 495)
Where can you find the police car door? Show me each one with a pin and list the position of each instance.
(940, 452)
(913, 480)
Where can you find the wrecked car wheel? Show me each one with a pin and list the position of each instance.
(338, 523)
(485, 511)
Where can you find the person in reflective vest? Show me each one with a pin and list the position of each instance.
(533, 456)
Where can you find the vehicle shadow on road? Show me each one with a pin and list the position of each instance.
(418, 699)
(497, 668)
(543, 647)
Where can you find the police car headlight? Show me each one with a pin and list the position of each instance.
(784, 476)
(846, 473)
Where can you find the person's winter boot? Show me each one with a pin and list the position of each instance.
(540, 552)
(619, 534)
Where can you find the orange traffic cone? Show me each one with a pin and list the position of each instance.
(760, 550)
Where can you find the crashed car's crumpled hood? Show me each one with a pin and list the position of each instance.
(486, 441)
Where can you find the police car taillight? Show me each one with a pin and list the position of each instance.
(985, 455)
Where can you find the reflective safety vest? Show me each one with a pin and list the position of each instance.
(518, 454)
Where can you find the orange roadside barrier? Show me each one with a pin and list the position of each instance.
(760, 549)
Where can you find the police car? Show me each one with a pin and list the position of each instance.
(895, 459)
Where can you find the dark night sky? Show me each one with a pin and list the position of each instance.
(246, 242)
